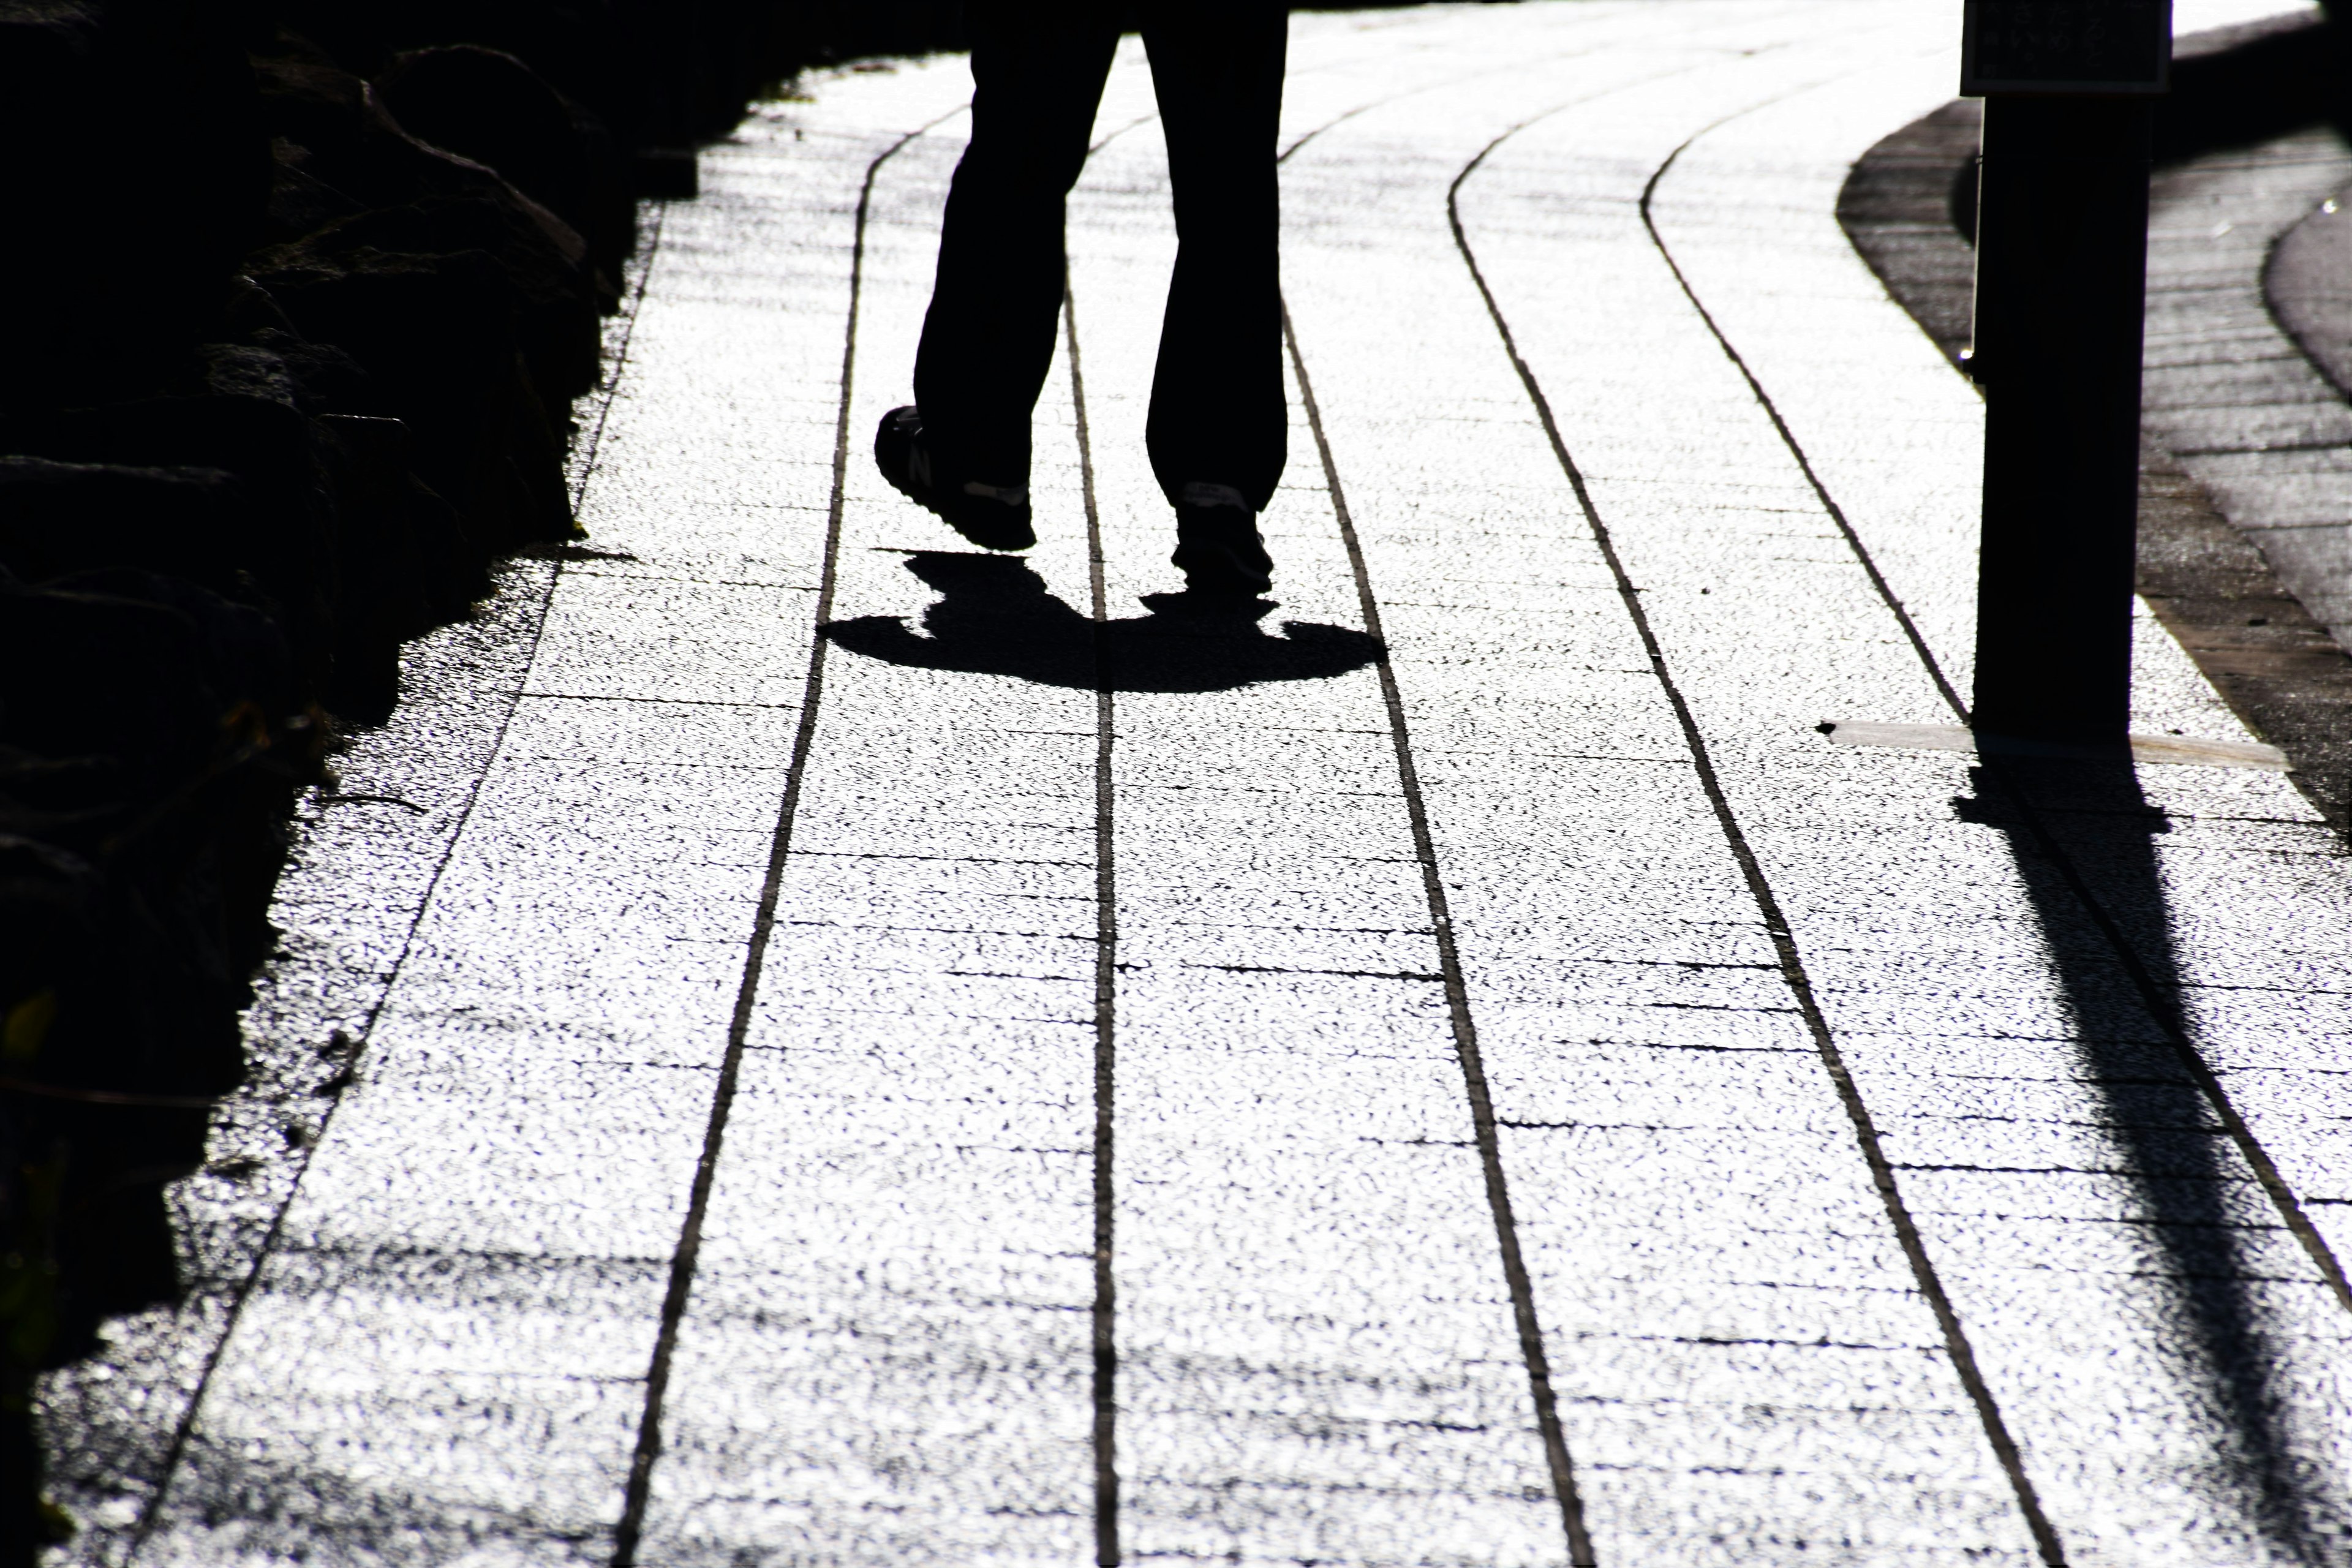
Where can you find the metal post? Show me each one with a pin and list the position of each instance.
(2062, 243)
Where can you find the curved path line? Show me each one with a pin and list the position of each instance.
(2162, 1009)
(184, 1432)
(1776, 923)
(1878, 581)
(1456, 80)
(1526, 1321)
(637, 1490)
(1105, 1310)
(1383, 101)
(1457, 1002)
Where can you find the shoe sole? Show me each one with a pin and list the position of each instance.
(1217, 570)
(988, 531)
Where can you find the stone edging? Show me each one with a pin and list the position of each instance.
(2308, 283)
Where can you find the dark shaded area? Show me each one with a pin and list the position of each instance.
(2279, 670)
(2082, 836)
(2235, 87)
(2308, 282)
(295, 1504)
(2231, 87)
(396, 1522)
(1910, 204)
(994, 617)
(304, 292)
(1899, 206)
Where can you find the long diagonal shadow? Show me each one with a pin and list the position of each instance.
(2083, 831)
(994, 617)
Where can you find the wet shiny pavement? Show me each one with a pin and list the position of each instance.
(803, 1044)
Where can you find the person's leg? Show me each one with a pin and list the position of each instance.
(1038, 67)
(1218, 420)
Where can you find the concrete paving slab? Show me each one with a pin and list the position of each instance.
(1459, 1070)
(2261, 441)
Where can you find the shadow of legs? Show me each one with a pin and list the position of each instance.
(994, 617)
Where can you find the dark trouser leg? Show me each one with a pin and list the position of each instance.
(988, 340)
(1217, 411)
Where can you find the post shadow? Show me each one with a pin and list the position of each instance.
(994, 617)
(2082, 836)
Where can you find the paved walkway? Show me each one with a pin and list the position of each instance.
(2226, 389)
(1215, 1091)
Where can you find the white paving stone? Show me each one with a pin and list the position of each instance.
(533, 906)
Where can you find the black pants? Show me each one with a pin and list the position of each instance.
(1217, 414)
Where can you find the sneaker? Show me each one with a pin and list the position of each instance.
(995, 516)
(1217, 544)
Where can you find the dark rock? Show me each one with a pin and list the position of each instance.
(249, 311)
(94, 674)
(170, 699)
(48, 895)
(339, 137)
(588, 50)
(248, 370)
(405, 562)
(241, 657)
(442, 337)
(379, 497)
(551, 300)
(300, 202)
(57, 518)
(323, 378)
(132, 134)
(488, 105)
(666, 174)
(257, 434)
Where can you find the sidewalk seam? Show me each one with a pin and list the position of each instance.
(1878, 581)
(2192, 1061)
(185, 1431)
(1457, 1000)
(638, 1488)
(1792, 965)
(1104, 1313)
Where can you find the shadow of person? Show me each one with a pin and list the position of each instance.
(2082, 837)
(994, 617)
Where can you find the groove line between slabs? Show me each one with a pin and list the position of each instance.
(182, 1434)
(638, 1489)
(1457, 1002)
(1790, 962)
(1878, 581)
(1106, 1305)
(2160, 1008)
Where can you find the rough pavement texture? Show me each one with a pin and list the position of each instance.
(2226, 390)
(2207, 581)
(2309, 287)
(1027, 1071)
